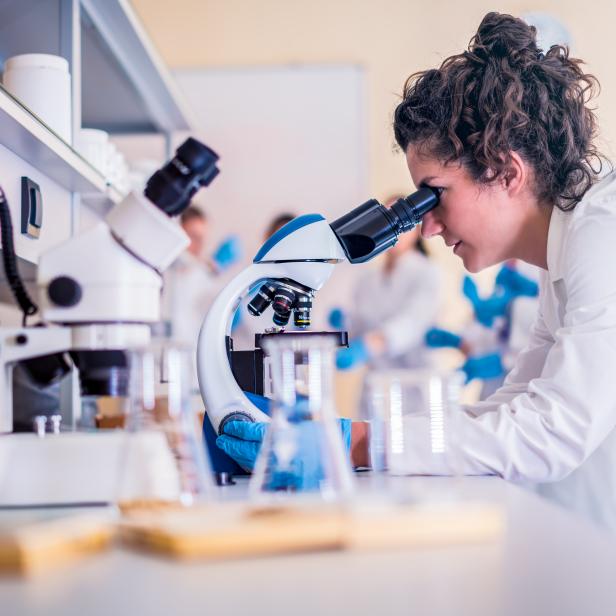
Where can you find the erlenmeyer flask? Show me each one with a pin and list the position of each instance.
(165, 458)
(302, 451)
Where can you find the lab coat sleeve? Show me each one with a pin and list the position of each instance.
(551, 425)
(407, 329)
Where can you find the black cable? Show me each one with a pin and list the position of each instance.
(28, 307)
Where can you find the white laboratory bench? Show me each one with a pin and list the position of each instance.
(549, 562)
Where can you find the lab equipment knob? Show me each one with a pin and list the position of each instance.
(64, 291)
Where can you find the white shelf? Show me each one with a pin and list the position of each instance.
(28, 137)
(140, 94)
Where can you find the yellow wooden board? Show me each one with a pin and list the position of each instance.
(33, 545)
(230, 530)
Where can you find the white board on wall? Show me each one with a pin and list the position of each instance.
(290, 138)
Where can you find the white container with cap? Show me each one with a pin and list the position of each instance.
(42, 82)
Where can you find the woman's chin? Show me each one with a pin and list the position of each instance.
(471, 263)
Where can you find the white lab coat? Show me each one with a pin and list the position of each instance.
(401, 305)
(188, 292)
(553, 420)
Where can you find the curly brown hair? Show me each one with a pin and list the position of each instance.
(501, 95)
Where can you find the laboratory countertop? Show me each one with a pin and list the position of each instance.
(548, 561)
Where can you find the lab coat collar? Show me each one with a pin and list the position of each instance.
(556, 236)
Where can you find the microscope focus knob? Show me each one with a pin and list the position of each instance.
(64, 291)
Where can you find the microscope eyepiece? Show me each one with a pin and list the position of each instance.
(410, 210)
(172, 187)
(371, 228)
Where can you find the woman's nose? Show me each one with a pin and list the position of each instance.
(431, 225)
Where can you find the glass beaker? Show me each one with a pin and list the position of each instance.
(303, 451)
(165, 456)
(414, 421)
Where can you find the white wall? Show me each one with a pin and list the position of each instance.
(281, 133)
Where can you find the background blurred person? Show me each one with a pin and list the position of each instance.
(500, 328)
(190, 284)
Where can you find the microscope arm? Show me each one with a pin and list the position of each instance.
(224, 398)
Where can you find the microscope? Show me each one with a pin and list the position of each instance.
(99, 293)
(288, 270)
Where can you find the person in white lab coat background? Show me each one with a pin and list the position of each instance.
(500, 327)
(391, 308)
(191, 283)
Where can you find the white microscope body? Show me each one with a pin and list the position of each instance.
(108, 290)
(304, 251)
(98, 294)
(100, 290)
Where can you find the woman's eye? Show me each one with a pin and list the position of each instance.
(439, 189)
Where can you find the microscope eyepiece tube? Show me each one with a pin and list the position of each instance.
(410, 210)
(172, 187)
(371, 228)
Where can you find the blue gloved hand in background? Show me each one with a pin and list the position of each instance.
(228, 252)
(355, 355)
(337, 318)
(516, 284)
(483, 367)
(441, 338)
(242, 441)
(486, 310)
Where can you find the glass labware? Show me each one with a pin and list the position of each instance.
(415, 425)
(165, 457)
(303, 453)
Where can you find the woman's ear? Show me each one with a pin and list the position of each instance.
(516, 176)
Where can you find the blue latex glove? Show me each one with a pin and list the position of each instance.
(354, 355)
(516, 284)
(486, 310)
(483, 367)
(469, 288)
(228, 252)
(242, 441)
(439, 338)
(337, 318)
